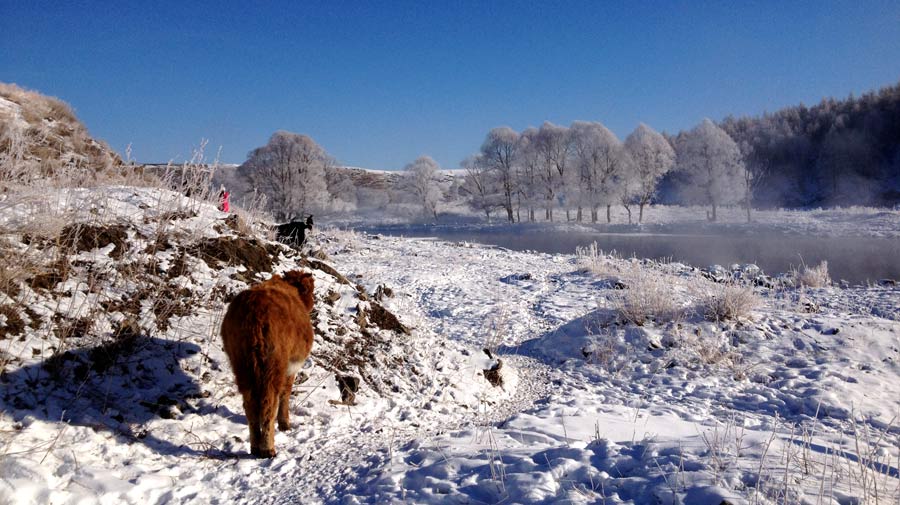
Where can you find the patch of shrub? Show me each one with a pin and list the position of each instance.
(729, 302)
(814, 277)
(12, 324)
(648, 296)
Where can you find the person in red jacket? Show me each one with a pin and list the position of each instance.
(224, 205)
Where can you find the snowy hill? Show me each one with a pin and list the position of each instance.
(115, 387)
(41, 135)
(110, 346)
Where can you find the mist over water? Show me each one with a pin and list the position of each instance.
(854, 259)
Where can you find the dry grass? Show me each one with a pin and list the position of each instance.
(42, 141)
(594, 260)
(814, 277)
(729, 302)
(648, 296)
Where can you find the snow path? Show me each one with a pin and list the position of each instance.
(336, 461)
(339, 458)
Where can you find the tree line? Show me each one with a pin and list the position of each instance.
(839, 152)
(584, 169)
(835, 153)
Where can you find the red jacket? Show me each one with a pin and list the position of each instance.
(224, 206)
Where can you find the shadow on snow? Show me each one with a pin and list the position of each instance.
(118, 387)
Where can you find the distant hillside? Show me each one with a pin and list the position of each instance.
(40, 136)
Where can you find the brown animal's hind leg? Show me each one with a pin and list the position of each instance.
(268, 405)
(284, 403)
(251, 411)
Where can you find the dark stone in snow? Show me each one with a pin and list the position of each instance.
(493, 374)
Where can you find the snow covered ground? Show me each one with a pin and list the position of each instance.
(114, 392)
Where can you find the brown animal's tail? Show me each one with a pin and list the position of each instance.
(304, 283)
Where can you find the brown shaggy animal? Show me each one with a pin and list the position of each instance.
(267, 336)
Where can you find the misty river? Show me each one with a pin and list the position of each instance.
(854, 259)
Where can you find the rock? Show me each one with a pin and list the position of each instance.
(763, 281)
(236, 223)
(750, 270)
(382, 292)
(887, 282)
(716, 273)
(361, 319)
(808, 305)
(493, 374)
(349, 386)
(384, 319)
(332, 297)
(525, 276)
(328, 269)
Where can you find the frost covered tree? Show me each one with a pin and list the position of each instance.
(479, 186)
(290, 171)
(553, 146)
(629, 186)
(712, 162)
(421, 181)
(652, 158)
(529, 188)
(499, 153)
(601, 160)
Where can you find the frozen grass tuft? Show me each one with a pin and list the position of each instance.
(814, 277)
(592, 258)
(648, 296)
(729, 302)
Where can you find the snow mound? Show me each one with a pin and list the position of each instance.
(114, 378)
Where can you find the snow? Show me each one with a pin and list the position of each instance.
(12, 112)
(786, 406)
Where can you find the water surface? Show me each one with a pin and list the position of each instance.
(855, 259)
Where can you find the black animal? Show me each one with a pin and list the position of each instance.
(293, 233)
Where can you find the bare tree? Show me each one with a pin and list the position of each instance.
(712, 161)
(499, 153)
(653, 157)
(290, 171)
(421, 180)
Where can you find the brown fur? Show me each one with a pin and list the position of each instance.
(265, 328)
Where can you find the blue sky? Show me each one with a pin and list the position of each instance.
(378, 84)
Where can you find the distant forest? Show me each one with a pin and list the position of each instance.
(838, 152)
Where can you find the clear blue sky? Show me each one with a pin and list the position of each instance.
(380, 84)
